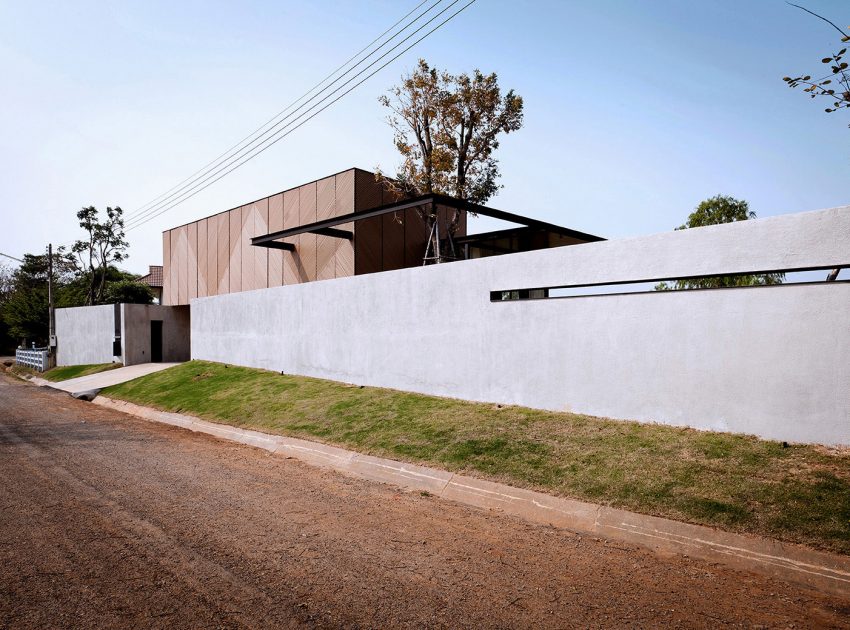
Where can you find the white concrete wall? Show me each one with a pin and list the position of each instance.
(770, 361)
(84, 334)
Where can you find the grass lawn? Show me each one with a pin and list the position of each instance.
(738, 483)
(73, 371)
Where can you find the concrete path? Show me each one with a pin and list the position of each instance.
(110, 377)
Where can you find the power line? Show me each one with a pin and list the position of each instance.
(12, 257)
(253, 138)
(279, 135)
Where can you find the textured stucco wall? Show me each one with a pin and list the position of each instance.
(136, 336)
(84, 334)
(770, 361)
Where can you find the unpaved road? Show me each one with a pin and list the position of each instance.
(110, 521)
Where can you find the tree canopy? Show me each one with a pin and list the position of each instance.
(104, 244)
(712, 211)
(447, 128)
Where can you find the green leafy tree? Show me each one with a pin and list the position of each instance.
(712, 211)
(129, 292)
(25, 305)
(834, 85)
(25, 311)
(447, 129)
(7, 285)
(104, 244)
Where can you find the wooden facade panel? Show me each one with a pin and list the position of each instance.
(203, 272)
(344, 196)
(223, 266)
(291, 260)
(416, 237)
(192, 232)
(182, 264)
(368, 238)
(168, 269)
(276, 255)
(261, 254)
(344, 204)
(325, 245)
(254, 259)
(235, 260)
(344, 254)
(392, 248)
(248, 276)
(367, 191)
(212, 256)
(307, 242)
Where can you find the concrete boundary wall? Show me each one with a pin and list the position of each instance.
(769, 361)
(85, 334)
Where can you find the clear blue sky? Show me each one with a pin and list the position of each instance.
(635, 111)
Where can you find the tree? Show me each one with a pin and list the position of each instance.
(7, 285)
(447, 128)
(836, 84)
(128, 292)
(712, 211)
(25, 310)
(105, 244)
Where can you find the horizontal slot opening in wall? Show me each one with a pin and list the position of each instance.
(744, 280)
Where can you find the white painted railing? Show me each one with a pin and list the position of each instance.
(36, 358)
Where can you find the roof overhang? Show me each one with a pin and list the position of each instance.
(326, 227)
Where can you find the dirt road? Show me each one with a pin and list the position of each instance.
(110, 521)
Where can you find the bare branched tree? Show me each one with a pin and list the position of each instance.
(447, 128)
(836, 84)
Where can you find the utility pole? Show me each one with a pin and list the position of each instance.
(51, 342)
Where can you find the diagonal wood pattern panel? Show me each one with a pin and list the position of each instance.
(235, 261)
(192, 253)
(307, 242)
(202, 258)
(325, 245)
(292, 266)
(276, 255)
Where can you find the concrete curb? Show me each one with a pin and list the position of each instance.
(825, 572)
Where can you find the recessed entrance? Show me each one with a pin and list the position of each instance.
(156, 341)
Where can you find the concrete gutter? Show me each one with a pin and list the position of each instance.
(825, 572)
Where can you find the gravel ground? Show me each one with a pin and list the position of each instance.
(110, 521)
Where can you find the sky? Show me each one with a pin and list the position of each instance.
(634, 111)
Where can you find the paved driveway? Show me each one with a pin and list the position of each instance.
(110, 377)
(109, 521)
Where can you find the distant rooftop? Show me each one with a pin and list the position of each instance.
(154, 277)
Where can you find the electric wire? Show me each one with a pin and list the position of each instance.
(279, 135)
(264, 129)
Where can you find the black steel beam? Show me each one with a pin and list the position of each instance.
(346, 234)
(442, 200)
(290, 247)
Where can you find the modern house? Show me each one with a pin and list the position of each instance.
(342, 225)
(290, 283)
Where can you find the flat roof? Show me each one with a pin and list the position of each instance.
(326, 226)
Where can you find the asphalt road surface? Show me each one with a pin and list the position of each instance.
(111, 521)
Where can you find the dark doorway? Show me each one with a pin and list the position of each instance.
(156, 341)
